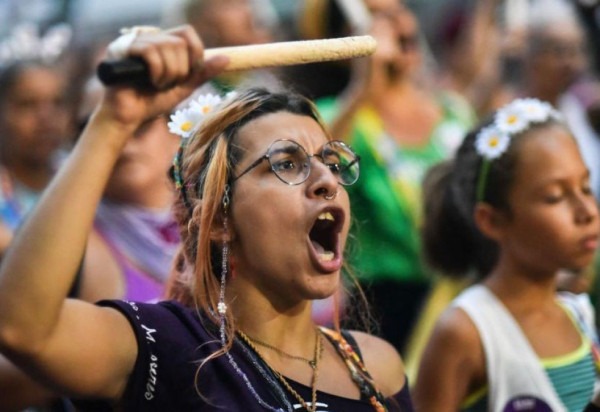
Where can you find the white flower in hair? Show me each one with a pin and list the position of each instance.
(535, 110)
(185, 122)
(25, 42)
(511, 119)
(492, 142)
(205, 103)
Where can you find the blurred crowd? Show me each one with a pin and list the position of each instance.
(403, 110)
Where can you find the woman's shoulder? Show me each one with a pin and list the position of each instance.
(456, 343)
(453, 359)
(382, 361)
(454, 326)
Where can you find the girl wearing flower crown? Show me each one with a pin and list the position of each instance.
(264, 217)
(515, 208)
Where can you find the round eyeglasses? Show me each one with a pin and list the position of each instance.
(291, 163)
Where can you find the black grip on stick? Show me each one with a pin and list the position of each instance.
(132, 70)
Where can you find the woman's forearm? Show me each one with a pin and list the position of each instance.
(39, 266)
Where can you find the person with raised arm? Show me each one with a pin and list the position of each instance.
(263, 216)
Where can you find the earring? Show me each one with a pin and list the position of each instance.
(222, 306)
(330, 196)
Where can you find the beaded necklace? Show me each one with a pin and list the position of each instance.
(266, 373)
(283, 380)
(249, 385)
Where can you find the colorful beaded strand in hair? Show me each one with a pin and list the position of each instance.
(178, 179)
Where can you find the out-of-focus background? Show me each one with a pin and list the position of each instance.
(453, 62)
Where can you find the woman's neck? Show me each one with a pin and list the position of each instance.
(275, 322)
(400, 88)
(522, 289)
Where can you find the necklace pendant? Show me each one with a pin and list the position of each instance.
(312, 364)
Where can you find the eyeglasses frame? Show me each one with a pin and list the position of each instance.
(309, 156)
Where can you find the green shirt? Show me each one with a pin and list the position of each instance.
(386, 200)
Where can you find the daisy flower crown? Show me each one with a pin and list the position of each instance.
(185, 122)
(25, 42)
(514, 118)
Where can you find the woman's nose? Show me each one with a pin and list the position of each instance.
(323, 182)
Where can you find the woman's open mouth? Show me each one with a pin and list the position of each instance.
(324, 239)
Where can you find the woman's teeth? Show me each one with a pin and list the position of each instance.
(327, 256)
(326, 216)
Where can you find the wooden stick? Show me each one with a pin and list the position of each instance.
(134, 70)
(294, 52)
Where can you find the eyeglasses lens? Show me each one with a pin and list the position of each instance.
(342, 162)
(289, 161)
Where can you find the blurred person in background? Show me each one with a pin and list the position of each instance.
(226, 23)
(135, 237)
(34, 128)
(546, 59)
(555, 62)
(558, 69)
(130, 251)
(400, 128)
(589, 12)
(478, 54)
(319, 19)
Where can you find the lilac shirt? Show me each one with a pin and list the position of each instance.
(171, 339)
(139, 286)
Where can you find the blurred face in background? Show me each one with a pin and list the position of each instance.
(34, 118)
(140, 176)
(557, 57)
(402, 28)
(223, 23)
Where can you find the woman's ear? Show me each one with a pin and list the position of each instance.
(490, 221)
